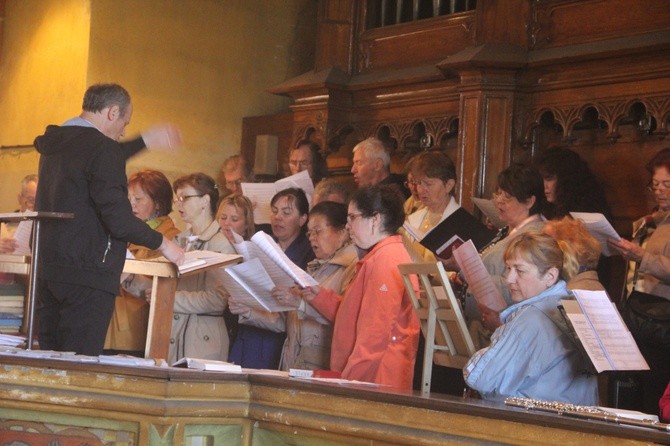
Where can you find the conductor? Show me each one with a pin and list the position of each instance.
(82, 170)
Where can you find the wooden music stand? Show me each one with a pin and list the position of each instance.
(448, 341)
(164, 284)
(28, 264)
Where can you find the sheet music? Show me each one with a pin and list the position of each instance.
(603, 333)
(489, 208)
(250, 250)
(22, 237)
(252, 286)
(600, 228)
(260, 194)
(301, 180)
(272, 249)
(480, 283)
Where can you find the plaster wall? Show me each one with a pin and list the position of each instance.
(201, 64)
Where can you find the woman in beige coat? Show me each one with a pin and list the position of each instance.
(308, 333)
(198, 327)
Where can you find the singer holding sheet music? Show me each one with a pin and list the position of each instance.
(433, 174)
(650, 250)
(519, 198)
(261, 335)
(308, 334)
(533, 353)
(376, 330)
(198, 327)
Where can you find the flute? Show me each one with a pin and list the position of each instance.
(590, 412)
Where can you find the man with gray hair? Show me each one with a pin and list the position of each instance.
(330, 189)
(371, 166)
(82, 170)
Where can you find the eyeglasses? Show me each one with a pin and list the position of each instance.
(183, 198)
(659, 185)
(352, 217)
(300, 163)
(315, 232)
(502, 197)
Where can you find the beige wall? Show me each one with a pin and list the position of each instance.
(202, 64)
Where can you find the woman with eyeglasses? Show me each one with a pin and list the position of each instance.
(434, 177)
(520, 199)
(308, 334)
(375, 327)
(650, 250)
(198, 327)
(261, 335)
(150, 196)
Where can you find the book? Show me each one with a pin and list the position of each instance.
(480, 283)
(209, 365)
(199, 259)
(452, 232)
(490, 211)
(271, 256)
(265, 266)
(602, 332)
(261, 193)
(304, 373)
(600, 228)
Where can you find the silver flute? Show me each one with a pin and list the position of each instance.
(590, 412)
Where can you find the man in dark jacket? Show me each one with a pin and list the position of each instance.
(82, 171)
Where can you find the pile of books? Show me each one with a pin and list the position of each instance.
(11, 307)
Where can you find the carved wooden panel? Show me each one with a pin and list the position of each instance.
(415, 43)
(562, 22)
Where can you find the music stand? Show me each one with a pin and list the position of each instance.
(36, 217)
(448, 341)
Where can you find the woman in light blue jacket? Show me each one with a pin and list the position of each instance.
(533, 354)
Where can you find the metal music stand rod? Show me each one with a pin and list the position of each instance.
(36, 217)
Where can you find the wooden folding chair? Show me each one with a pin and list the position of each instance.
(448, 341)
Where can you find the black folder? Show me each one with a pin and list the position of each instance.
(455, 230)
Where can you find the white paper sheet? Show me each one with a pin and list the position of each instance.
(603, 333)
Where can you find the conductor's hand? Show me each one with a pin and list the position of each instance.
(162, 136)
(172, 251)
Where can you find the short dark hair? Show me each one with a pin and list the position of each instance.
(433, 164)
(661, 159)
(523, 182)
(334, 213)
(157, 186)
(296, 197)
(101, 96)
(319, 165)
(203, 184)
(384, 200)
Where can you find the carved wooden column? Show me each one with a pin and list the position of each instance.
(487, 101)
